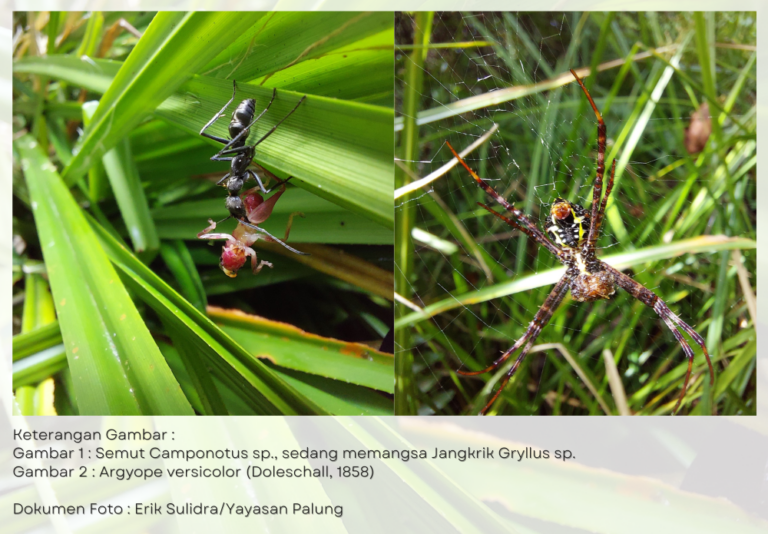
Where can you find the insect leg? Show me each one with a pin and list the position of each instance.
(217, 116)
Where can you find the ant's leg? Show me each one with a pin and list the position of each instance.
(225, 151)
(274, 93)
(220, 182)
(258, 181)
(247, 129)
(270, 132)
(278, 181)
(217, 116)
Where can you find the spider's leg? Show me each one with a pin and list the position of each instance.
(673, 322)
(548, 244)
(594, 229)
(506, 378)
(270, 132)
(272, 238)
(598, 188)
(523, 223)
(217, 116)
(540, 320)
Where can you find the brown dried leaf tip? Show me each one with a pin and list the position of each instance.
(698, 131)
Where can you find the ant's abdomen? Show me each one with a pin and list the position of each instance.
(242, 117)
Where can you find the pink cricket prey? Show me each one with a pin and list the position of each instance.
(238, 246)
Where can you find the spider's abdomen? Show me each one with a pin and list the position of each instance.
(587, 287)
(567, 224)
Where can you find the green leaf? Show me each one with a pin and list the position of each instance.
(351, 362)
(338, 397)
(338, 150)
(173, 48)
(36, 340)
(129, 194)
(261, 388)
(619, 261)
(116, 366)
(38, 367)
(284, 39)
(360, 71)
(179, 261)
(323, 222)
(38, 305)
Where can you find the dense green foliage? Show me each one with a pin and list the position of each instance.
(682, 223)
(114, 183)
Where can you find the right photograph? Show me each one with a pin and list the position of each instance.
(575, 209)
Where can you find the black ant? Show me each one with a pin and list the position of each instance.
(254, 210)
(239, 154)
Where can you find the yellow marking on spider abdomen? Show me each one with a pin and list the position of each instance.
(580, 263)
(554, 231)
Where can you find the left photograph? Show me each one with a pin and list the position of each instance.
(202, 213)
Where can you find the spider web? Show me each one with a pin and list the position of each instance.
(545, 147)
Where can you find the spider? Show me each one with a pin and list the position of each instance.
(574, 232)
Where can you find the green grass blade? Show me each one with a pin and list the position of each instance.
(92, 74)
(230, 361)
(324, 221)
(338, 150)
(361, 71)
(36, 340)
(619, 261)
(116, 366)
(179, 261)
(38, 304)
(200, 376)
(173, 48)
(284, 39)
(40, 366)
(351, 362)
(338, 397)
(129, 194)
